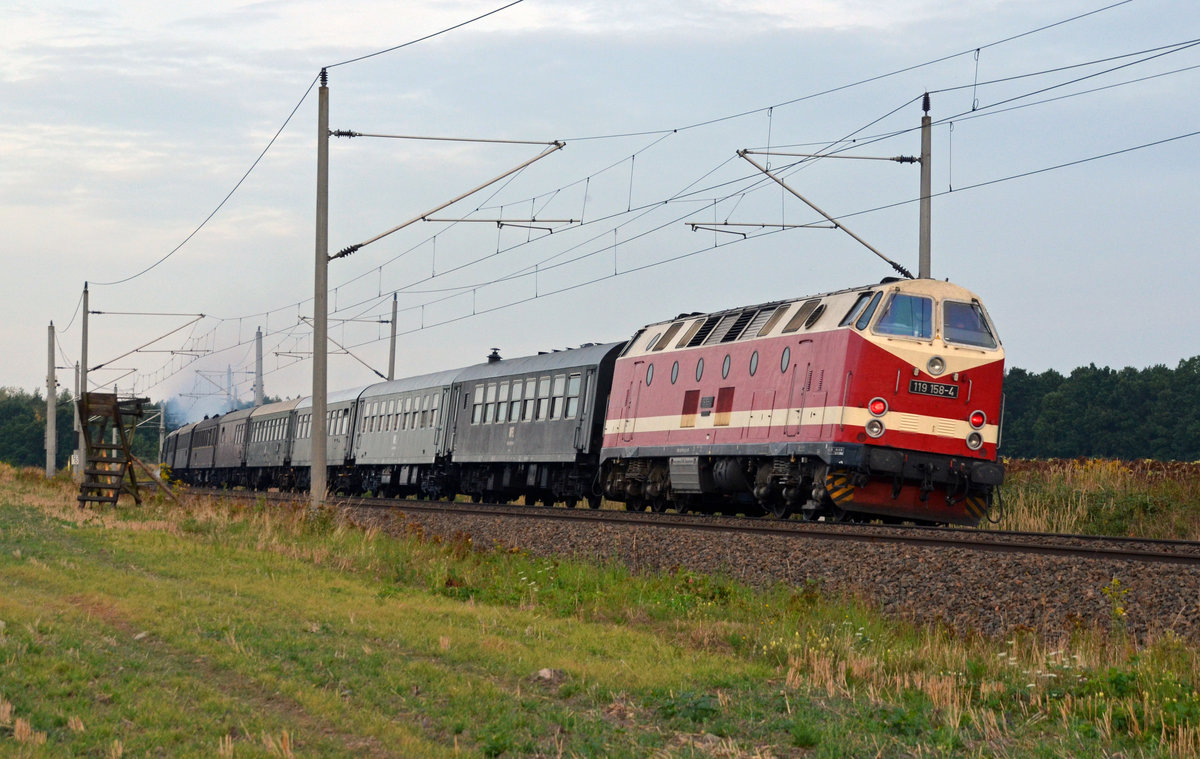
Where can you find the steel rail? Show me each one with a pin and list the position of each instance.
(1050, 544)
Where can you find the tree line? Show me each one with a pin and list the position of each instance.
(1092, 412)
(23, 429)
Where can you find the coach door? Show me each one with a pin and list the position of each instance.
(629, 411)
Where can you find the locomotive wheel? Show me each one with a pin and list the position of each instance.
(658, 506)
(779, 509)
(593, 501)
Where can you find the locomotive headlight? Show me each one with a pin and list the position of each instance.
(874, 428)
(936, 365)
(974, 441)
(877, 407)
(977, 419)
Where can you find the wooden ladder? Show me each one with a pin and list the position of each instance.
(108, 466)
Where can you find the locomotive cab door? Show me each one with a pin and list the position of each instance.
(798, 386)
(632, 394)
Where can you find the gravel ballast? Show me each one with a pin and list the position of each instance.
(988, 592)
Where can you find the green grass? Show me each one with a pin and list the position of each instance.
(234, 630)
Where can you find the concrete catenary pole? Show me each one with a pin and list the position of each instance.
(51, 406)
(926, 190)
(162, 430)
(81, 394)
(392, 350)
(76, 473)
(320, 299)
(258, 377)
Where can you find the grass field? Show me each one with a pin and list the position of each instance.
(254, 631)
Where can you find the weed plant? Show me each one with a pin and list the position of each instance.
(242, 628)
(1149, 499)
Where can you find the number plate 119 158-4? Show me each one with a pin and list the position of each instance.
(938, 389)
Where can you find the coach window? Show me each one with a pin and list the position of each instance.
(530, 400)
(435, 400)
(907, 316)
(725, 366)
(753, 363)
(514, 406)
(425, 403)
(699, 368)
(573, 388)
(489, 410)
(674, 372)
(785, 360)
(649, 374)
(476, 407)
(557, 400)
(502, 405)
(543, 398)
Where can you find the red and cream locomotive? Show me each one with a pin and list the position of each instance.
(873, 402)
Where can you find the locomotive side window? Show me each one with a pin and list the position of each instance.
(649, 374)
(785, 359)
(699, 368)
(667, 336)
(653, 341)
(725, 366)
(868, 312)
(855, 309)
(812, 319)
(674, 372)
(907, 316)
(691, 331)
(753, 363)
(964, 323)
(801, 315)
(775, 318)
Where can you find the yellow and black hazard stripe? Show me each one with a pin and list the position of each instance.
(976, 505)
(839, 487)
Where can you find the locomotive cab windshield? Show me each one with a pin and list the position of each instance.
(966, 324)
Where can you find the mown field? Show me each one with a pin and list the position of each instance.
(215, 629)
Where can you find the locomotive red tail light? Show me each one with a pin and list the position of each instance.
(878, 407)
(978, 419)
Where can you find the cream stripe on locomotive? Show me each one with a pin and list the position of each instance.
(806, 417)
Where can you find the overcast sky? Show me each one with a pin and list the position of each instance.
(126, 123)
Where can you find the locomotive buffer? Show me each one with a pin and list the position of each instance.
(106, 464)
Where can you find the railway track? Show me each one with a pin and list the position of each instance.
(1090, 547)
